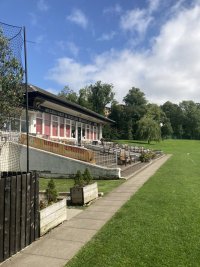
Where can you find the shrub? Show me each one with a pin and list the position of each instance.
(145, 157)
(82, 179)
(51, 192)
(78, 179)
(87, 177)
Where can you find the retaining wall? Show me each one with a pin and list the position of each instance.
(51, 165)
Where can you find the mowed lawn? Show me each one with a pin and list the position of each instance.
(63, 185)
(160, 225)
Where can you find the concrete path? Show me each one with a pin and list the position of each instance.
(56, 248)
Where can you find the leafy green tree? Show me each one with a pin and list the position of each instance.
(68, 94)
(135, 109)
(191, 122)
(155, 112)
(149, 129)
(166, 129)
(83, 98)
(117, 114)
(11, 77)
(101, 94)
(175, 115)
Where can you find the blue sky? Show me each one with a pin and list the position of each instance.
(149, 44)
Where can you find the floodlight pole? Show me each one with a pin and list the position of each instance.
(26, 88)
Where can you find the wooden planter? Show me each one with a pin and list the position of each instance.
(85, 194)
(52, 216)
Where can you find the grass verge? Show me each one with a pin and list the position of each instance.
(159, 225)
(63, 185)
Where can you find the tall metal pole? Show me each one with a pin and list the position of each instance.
(26, 87)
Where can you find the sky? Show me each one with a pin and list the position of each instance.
(153, 45)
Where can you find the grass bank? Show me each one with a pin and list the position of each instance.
(63, 185)
(159, 225)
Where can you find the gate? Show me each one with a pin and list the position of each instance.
(19, 212)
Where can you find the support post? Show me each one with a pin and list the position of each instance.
(26, 87)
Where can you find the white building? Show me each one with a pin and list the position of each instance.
(52, 117)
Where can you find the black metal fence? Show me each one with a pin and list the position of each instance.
(19, 212)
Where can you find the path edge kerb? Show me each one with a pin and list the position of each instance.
(167, 156)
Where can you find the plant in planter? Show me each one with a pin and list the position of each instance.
(54, 211)
(83, 191)
(147, 156)
(51, 192)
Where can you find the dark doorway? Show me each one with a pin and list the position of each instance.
(79, 136)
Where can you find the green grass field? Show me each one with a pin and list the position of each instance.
(63, 185)
(160, 225)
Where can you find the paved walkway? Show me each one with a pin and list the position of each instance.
(61, 244)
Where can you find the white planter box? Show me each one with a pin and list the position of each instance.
(52, 216)
(85, 194)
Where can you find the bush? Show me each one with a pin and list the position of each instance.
(51, 192)
(87, 177)
(78, 179)
(145, 156)
(82, 179)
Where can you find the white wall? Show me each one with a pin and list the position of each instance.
(59, 166)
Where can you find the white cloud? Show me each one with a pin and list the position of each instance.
(168, 71)
(42, 5)
(69, 72)
(117, 9)
(135, 20)
(138, 20)
(153, 5)
(79, 18)
(68, 46)
(107, 36)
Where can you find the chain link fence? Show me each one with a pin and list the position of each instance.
(11, 75)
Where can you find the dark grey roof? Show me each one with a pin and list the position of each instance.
(36, 91)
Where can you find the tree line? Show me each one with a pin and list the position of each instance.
(136, 118)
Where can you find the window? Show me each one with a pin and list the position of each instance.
(39, 123)
(67, 127)
(73, 132)
(47, 124)
(61, 127)
(54, 125)
(83, 131)
(91, 133)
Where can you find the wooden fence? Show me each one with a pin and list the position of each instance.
(74, 152)
(19, 212)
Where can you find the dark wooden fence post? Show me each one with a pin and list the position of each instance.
(19, 212)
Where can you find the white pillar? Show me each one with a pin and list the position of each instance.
(100, 132)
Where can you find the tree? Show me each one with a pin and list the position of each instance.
(149, 129)
(83, 98)
(68, 94)
(117, 114)
(175, 115)
(135, 109)
(100, 95)
(191, 122)
(11, 77)
(166, 129)
(95, 96)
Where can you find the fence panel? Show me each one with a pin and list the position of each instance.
(19, 212)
